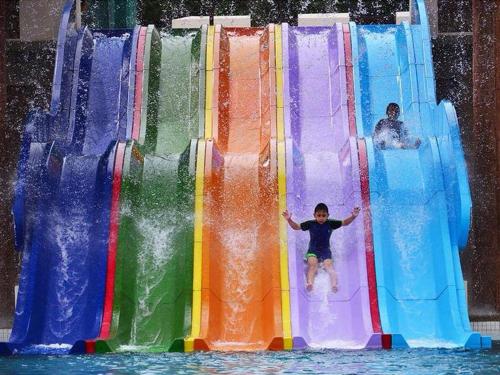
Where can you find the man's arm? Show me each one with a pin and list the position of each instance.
(350, 219)
(378, 127)
(405, 139)
(288, 217)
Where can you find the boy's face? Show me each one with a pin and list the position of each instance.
(321, 216)
(393, 113)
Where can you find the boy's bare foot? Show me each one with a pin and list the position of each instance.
(309, 287)
(335, 289)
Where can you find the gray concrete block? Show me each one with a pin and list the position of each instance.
(190, 22)
(39, 20)
(322, 19)
(403, 17)
(233, 21)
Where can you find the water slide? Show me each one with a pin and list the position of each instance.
(322, 166)
(420, 200)
(237, 293)
(112, 259)
(153, 283)
(64, 190)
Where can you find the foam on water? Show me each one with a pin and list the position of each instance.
(44, 349)
(54, 346)
(235, 344)
(132, 348)
(337, 344)
(431, 343)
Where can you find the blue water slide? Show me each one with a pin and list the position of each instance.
(420, 198)
(42, 127)
(63, 189)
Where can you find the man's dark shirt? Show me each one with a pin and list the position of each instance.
(395, 126)
(320, 233)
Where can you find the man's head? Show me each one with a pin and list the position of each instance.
(392, 111)
(321, 213)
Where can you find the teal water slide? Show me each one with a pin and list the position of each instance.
(420, 198)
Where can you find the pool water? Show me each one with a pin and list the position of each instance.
(414, 361)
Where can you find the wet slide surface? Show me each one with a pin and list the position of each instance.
(62, 282)
(322, 166)
(153, 289)
(240, 294)
(420, 285)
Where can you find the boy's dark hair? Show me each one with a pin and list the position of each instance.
(392, 105)
(321, 207)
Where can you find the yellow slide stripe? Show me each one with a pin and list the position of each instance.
(285, 284)
(198, 227)
(198, 205)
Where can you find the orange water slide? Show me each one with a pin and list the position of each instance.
(240, 296)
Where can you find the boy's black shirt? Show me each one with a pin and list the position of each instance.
(320, 233)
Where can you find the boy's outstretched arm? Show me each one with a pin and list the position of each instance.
(288, 217)
(350, 219)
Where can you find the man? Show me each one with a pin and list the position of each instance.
(392, 133)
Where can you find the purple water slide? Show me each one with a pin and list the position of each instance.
(322, 166)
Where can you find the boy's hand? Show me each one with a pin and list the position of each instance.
(355, 211)
(287, 215)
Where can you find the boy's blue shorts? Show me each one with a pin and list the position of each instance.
(321, 255)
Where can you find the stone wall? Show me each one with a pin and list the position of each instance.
(484, 259)
(7, 258)
(25, 81)
(26, 70)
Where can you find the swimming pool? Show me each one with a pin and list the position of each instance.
(414, 361)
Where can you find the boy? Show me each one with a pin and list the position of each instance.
(320, 231)
(390, 132)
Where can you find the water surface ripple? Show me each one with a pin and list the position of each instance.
(414, 361)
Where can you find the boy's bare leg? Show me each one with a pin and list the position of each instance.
(312, 268)
(328, 264)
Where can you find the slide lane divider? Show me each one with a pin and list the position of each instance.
(115, 197)
(139, 83)
(113, 240)
(284, 277)
(365, 188)
(198, 246)
(199, 188)
(131, 79)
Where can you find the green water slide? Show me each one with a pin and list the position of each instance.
(153, 280)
